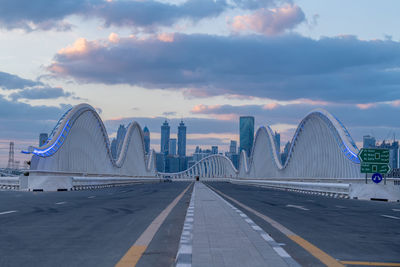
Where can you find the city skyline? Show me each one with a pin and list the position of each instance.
(325, 62)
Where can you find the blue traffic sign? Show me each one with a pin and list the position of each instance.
(377, 178)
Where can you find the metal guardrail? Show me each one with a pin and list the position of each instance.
(10, 183)
(80, 183)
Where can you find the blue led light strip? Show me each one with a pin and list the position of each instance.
(57, 144)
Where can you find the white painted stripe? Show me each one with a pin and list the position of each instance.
(92, 197)
(248, 220)
(256, 227)
(396, 209)
(61, 203)
(281, 252)
(267, 237)
(184, 265)
(185, 249)
(243, 215)
(391, 217)
(8, 212)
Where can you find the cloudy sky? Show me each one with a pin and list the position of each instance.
(206, 61)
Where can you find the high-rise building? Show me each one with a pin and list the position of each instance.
(277, 138)
(246, 134)
(11, 156)
(232, 147)
(285, 153)
(43, 139)
(114, 148)
(172, 146)
(182, 139)
(214, 150)
(120, 138)
(165, 138)
(369, 141)
(146, 139)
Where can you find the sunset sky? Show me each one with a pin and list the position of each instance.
(206, 61)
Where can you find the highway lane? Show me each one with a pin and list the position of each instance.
(348, 230)
(89, 228)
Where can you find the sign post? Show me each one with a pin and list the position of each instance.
(374, 160)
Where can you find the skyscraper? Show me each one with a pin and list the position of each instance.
(214, 150)
(165, 138)
(114, 148)
(232, 147)
(182, 139)
(43, 138)
(146, 139)
(369, 141)
(246, 134)
(172, 146)
(120, 138)
(277, 137)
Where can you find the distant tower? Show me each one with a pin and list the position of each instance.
(165, 138)
(120, 138)
(214, 150)
(232, 147)
(11, 156)
(369, 141)
(277, 137)
(146, 139)
(172, 146)
(114, 148)
(182, 139)
(43, 139)
(246, 134)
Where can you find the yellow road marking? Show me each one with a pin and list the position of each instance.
(370, 263)
(133, 255)
(316, 252)
(313, 250)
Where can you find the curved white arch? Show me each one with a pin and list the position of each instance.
(321, 148)
(79, 144)
(213, 166)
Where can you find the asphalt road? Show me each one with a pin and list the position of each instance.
(347, 230)
(89, 228)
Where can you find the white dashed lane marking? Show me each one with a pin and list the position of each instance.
(61, 203)
(391, 217)
(92, 197)
(8, 212)
(396, 209)
(296, 207)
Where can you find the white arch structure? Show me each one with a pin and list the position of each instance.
(321, 148)
(213, 166)
(79, 144)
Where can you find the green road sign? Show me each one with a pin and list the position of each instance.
(367, 167)
(374, 155)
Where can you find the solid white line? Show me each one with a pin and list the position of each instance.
(60, 203)
(391, 217)
(7, 212)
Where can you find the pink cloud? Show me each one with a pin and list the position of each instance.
(270, 21)
(166, 37)
(270, 106)
(366, 106)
